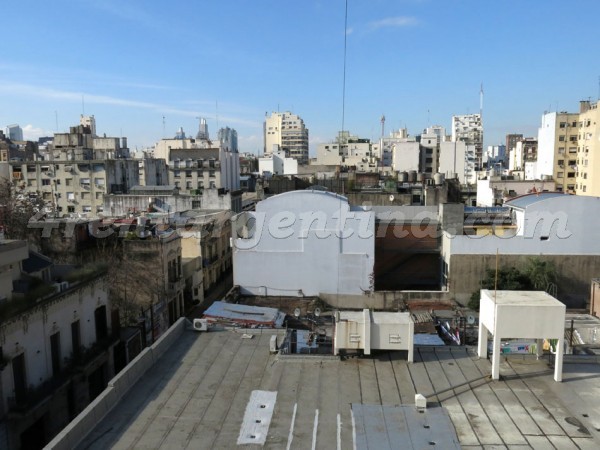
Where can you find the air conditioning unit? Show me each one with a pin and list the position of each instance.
(200, 324)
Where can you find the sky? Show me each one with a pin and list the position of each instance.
(418, 62)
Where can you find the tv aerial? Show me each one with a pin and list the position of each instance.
(297, 312)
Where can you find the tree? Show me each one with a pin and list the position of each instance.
(537, 275)
(541, 274)
(17, 208)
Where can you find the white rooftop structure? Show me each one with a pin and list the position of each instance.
(520, 314)
(366, 330)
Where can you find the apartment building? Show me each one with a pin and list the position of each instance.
(156, 283)
(587, 181)
(348, 151)
(557, 149)
(57, 339)
(286, 132)
(73, 175)
(468, 128)
(195, 164)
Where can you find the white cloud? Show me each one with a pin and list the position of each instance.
(43, 92)
(31, 133)
(393, 22)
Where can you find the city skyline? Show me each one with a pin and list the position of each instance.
(417, 61)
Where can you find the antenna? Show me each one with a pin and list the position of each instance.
(56, 117)
(382, 125)
(344, 81)
(481, 101)
(164, 124)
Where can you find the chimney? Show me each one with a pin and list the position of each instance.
(584, 106)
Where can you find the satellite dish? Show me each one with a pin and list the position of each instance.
(317, 312)
(391, 198)
(470, 320)
(297, 312)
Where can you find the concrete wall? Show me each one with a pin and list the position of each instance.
(78, 429)
(574, 274)
(383, 300)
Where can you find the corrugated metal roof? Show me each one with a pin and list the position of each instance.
(524, 201)
(245, 313)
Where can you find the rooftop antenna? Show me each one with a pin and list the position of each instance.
(481, 100)
(164, 127)
(382, 125)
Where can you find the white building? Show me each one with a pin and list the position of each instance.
(406, 156)
(457, 159)
(469, 128)
(287, 132)
(349, 151)
(494, 191)
(88, 121)
(196, 164)
(278, 164)
(304, 243)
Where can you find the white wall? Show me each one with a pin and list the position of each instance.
(406, 156)
(307, 241)
(546, 144)
(564, 220)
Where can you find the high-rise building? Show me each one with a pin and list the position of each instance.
(88, 121)
(286, 131)
(468, 128)
(557, 149)
(511, 141)
(587, 167)
(14, 132)
(228, 138)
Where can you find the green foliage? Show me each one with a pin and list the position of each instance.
(537, 275)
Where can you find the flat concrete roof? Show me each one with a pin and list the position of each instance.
(522, 298)
(196, 396)
(377, 316)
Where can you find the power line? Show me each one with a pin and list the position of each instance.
(344, 82)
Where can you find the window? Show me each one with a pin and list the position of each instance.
(211, 173)
(76, 339)
(70, 209)
(45, 182)
(571, 175)
(561, 150)
(561, 162)
(560, 174)
(561, 138)
(562, 125)
(55, 353)
(585, 175)
(188, 174)
(69, 181)
(100, 321)
(176, 173)
(584, 188)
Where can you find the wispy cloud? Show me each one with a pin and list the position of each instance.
(393, 22)
(31, 133)
(55, 94)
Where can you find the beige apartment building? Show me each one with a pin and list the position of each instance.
(587, 181)
(286, 131)
(557, 149)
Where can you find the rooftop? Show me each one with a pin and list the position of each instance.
(522, 298)
(197, 393)
(524, 201)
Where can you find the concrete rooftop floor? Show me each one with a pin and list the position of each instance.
(196, 395)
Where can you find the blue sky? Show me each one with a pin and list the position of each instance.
(416, 61)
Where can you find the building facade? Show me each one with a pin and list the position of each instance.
(587, 181)
(14, 132)
(468, 128)
(287, 132)
(57, 338)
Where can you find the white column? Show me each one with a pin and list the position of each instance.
(496, 358)
(411, 343)
(482, 341)
(539, 348)
(367, 331)
(558, 361)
